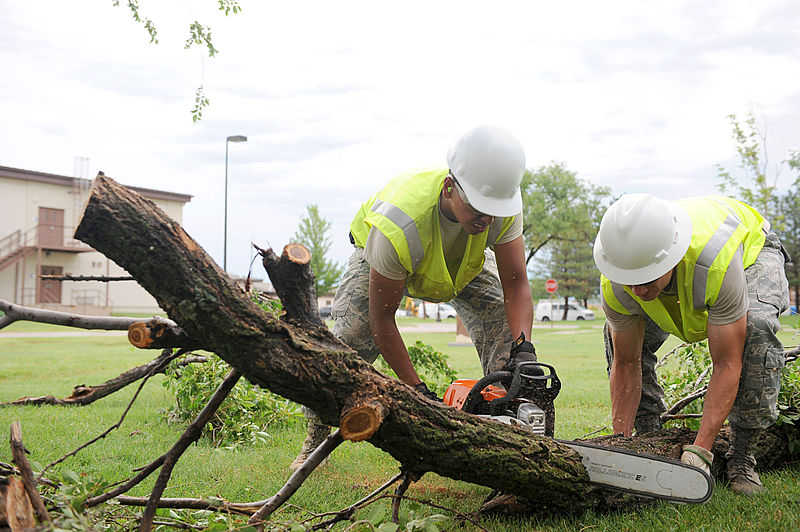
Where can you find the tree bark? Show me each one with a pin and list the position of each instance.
(16, 511)
(307, 364)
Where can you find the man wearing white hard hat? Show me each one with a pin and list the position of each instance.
(699, 268)
(444, 234)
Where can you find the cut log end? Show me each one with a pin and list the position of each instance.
(139, 335)
(361, 422)
(297, 253)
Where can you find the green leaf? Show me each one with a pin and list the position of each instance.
(71, 477)
(376, 515)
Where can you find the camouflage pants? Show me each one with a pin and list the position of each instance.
(479, 305)
(755, 406)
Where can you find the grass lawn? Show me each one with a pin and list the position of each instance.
(40, 366)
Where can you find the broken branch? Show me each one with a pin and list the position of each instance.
(159, 333)
(14, 312)
(18, 452)
(84, 395)
(191, 435)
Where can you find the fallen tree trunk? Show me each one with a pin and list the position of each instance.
(304, 362)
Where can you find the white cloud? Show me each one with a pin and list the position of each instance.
(335, 98)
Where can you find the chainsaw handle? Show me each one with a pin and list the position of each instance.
(474, 398)
(555, 383)
(536, 376)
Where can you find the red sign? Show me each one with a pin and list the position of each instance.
(551, 285)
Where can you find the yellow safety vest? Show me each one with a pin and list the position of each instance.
(406, 211)
(719, 226)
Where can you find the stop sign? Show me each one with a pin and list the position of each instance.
(551, 285)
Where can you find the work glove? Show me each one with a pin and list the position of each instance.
(698, 457)
(521, 351)
(423, 389)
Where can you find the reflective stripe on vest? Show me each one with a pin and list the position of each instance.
(624, 298)
(706, 258)
(407, 225)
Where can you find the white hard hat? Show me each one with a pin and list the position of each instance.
(489, 163)
(641, 238)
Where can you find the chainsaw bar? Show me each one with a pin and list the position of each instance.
(643, 474)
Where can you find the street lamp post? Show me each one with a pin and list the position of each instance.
(232, 138)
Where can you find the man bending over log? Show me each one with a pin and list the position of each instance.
(446, 234)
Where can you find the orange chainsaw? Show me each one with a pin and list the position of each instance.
(524, 397)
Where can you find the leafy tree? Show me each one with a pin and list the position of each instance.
(199, 34)
(751, 149)
(559, 207)
(783, 211)
(572, 265)
(313, 233)
(562, 214)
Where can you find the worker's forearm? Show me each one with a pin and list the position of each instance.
(393, 349)
(519, 310)
(520, 323)
(726, 345)
(626, 377)
(626, 392)
(721, 394)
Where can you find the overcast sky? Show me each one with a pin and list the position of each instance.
(337, 97)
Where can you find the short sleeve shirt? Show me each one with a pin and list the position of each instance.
(382, 257)
(731, 303)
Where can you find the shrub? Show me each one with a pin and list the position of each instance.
(430, 364)
(681, 377)
(243, 417)
(684, 375)
(245, 414)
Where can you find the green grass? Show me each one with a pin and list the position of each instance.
(39, 366)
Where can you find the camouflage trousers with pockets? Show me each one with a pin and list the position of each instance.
(479, 305)
(756, 401)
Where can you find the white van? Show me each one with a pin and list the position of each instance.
(554, 310)
(445, 310)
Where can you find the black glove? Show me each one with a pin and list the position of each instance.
(423, 389)
(521, 351)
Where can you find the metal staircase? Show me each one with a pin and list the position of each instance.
(16, 247)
